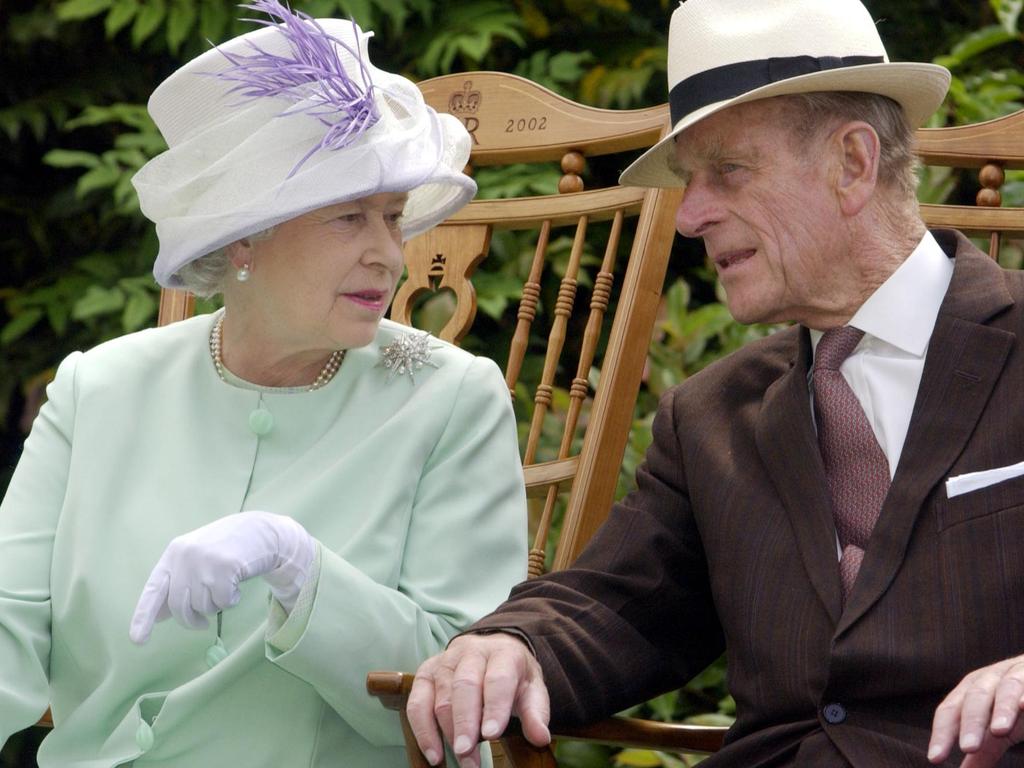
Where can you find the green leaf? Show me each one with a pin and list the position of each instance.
(567, 67)
(139, 283)
(58, 313)
(317, 8)
(71, 10)
(470, 29)
(138, 311)
(974, 44)
(124, 191)
(124, 157)
(21, 324)
(98, 301)
(180, 22)
(580, 754)
(361, 11)
(638, 758)
(120, 16)
(100, 177)
(133, 115)
(397, 12)
(1008, 13)
(663, 707)
(150, 144)
(149, 18)
(99, 265)
(214, 16)
(69, 158)
(518, 180)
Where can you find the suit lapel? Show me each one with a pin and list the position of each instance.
(962, 365)
(788, 446)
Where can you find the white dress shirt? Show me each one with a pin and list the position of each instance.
(884, 370)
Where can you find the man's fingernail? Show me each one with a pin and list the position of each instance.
(489, 729)
(431, 756)
(934, 751)
(1001, 722)
(970, 741)
(462, 745)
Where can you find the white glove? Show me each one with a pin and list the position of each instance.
(199, 572)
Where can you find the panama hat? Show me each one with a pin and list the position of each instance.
(726, 52)
(284, 120)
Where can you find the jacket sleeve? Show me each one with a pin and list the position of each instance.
(465, 548)
(633, 617)
(28, 521)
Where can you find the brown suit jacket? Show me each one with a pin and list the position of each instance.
(728, 544)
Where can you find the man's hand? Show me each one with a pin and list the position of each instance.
(984, 710)
(199, 572)
(471, 690)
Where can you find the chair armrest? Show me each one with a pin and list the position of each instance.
(648, 734)
(392, 688)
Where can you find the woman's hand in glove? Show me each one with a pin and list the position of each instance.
(199, 572)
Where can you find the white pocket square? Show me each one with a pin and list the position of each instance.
(974, 481)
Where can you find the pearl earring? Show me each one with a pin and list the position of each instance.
(243, 274)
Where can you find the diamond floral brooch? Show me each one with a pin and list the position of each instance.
(406, 355)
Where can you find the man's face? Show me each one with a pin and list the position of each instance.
(766, 211)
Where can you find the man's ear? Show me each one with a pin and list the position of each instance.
(860, 150)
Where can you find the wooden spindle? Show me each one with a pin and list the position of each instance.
(990, 195)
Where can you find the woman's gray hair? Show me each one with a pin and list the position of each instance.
(205, 276)
(813, 114)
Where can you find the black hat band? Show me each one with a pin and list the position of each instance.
(731, 80)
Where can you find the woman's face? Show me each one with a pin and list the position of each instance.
(323, 280)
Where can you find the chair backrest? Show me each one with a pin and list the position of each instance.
(576, 435)
(994, 147)
(584, 307)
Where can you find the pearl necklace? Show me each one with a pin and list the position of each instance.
(326, 373)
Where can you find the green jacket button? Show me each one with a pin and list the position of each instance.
(261, 421)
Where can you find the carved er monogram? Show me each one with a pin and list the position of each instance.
(464, 104)
(466, 101)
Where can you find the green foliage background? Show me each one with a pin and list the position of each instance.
(76, 252)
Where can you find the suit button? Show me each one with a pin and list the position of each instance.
(835, 713)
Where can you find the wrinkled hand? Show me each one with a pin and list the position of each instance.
(471, 690)
(983, 712)
(199, 572)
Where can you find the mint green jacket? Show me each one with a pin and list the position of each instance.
(413, 489)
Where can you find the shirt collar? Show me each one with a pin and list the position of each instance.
(902, 311)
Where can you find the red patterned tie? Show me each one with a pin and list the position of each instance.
(855, 466)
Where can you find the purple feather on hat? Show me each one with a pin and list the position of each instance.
(311, 73)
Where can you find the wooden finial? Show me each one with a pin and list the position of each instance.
(573, 164)
(991, 177)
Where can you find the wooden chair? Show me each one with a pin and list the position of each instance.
(994, 147)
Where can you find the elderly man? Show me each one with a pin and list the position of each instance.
(803, 506)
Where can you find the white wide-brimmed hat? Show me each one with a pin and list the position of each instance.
(726, 52)
(284, 120)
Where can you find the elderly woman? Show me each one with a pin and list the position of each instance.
(306, 490)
